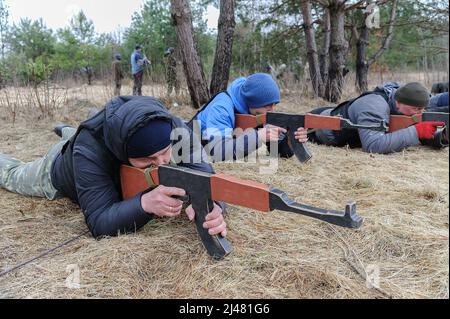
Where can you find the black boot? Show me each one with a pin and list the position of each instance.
(92, 112)
(58, 129)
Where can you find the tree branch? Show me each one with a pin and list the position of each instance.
(381, 2)
(355, 5)
(278, 7)
(324, 3)
(292, 30)
(355, 32)
(389, 35)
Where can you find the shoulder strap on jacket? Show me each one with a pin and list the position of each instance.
(206, 105)
(346, 104)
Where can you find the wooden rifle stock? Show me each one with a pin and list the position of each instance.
(398, 122)
(292, 122)
(204, 188)
(336, 123)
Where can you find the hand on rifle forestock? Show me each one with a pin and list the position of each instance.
(161, 203)
(270, 133)
(425, 130)
(215, 223)
(301, 135)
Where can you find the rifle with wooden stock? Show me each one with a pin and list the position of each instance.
(203, 189)
(291, 122)
(441, 137)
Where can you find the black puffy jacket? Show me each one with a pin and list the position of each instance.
(87, 169)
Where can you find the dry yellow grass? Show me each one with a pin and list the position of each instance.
(403, 197)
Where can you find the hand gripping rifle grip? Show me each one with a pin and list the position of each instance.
(197, 185)
(216, 246)
(300, 150)
(291, 123)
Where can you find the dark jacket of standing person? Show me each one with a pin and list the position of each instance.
(117, 74)
(117, 69)
(171, 71)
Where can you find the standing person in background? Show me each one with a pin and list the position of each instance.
(117, 74)
(138, 61)
(171, 72)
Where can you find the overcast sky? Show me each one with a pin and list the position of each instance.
(107, 15)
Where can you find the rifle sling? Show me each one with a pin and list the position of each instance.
(149, 178)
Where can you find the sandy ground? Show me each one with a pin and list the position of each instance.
(402, 248)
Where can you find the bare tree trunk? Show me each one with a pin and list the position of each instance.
(362, 67)
(446, 68)
(89, 74)
(324, 58)
(338, 51)
(433, 69)
(313, 57)
(425, 64)
(195, 77)
(362, 64)
(224, 47)
(418, 69)
(389, 34)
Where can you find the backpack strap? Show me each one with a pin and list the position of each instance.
(349, 136)
(205, 106)
(94, 125)
(342, 108)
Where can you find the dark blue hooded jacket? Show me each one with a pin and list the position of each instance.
(439, 103)
(87, 170)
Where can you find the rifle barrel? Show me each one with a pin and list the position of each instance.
(347, 218)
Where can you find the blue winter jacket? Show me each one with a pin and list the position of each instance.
(218, 117)
(439, 103)
(217, 122)
(136, 67)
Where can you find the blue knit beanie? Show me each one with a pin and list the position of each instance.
(260, 90)
(149, 139)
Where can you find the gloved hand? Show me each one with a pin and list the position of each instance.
(425, 130)
(439, 141)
